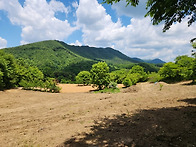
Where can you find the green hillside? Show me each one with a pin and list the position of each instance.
(51, 58)
(60, 60)
(107, 54)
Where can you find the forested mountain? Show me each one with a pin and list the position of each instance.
(60, 60)
(154, 61)
(107, 54)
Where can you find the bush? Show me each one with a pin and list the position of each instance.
(50, 85)
(127, 82)
(113, 85)
(119, 75)
(84, 77)
(135, 77)
(154, 77)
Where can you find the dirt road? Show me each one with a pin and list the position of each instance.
(142, 115)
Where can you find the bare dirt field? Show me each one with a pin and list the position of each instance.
(142, 115)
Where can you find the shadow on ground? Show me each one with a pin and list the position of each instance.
(189, 101)
(163, 127)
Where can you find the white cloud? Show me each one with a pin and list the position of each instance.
(138, 39)
(58, 6)
(130, 11)
(77, 43)
(3, 43)
(96, 24)
(75, 4)
(37, 19)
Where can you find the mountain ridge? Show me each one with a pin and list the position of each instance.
(153, 61)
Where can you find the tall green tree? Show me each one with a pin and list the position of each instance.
(100, 75)
(169, 11)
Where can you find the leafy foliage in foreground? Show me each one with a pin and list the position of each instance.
(169, 11)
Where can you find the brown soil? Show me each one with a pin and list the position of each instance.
(75, 88)
(142, 115)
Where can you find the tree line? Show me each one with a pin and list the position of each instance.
(184, 68)
(18, 73)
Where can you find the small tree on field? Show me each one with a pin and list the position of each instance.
(100, 75)
(84, 77)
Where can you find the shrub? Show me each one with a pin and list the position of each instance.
(127, 82)
(50, 85)
(119, 75)
(84, 77)
(154, 77)
(135, 77)
(113, 85)
(108, 90)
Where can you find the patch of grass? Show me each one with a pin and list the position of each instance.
(160, 86)
(108, 90)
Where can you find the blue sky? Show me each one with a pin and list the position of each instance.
(88, 22)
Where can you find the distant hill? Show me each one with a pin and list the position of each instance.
(138, 59)
(154, 61)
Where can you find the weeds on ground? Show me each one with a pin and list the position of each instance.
(108, 90)
(160, 86)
